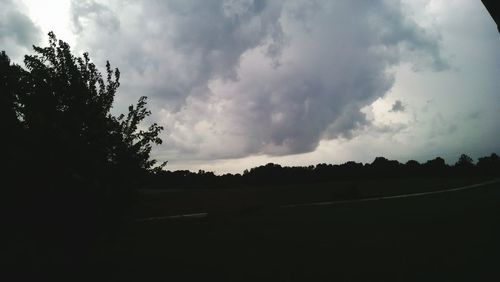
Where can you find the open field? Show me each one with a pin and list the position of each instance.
(441, 237)
(242, 199)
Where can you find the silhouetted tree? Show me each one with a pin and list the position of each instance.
(489, 165)
(10, 84)
(382, 167)
(435, 167)
(464, 162)
(412, 167)
(464, 166)
(274, 174)
(69, 158)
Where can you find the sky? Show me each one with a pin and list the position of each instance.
(241, 83)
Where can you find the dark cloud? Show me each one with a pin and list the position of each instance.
(172, 49)
(473, 115)
(397, 107)
(234, 78)
(90, 10)
(17, 32)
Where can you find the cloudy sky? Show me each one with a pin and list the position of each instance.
(239, 83)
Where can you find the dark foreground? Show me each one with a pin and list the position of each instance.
(442, 237)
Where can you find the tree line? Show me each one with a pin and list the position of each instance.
(380, 168)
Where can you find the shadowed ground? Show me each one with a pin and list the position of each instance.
(441, 237)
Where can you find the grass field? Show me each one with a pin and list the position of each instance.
(171, 202)
(441, 237)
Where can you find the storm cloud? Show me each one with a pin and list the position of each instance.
(237, 83)
(17, 32)
(397, 107)
(235, 78)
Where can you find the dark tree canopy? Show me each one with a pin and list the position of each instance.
(68, 158)
(63, 102)
(489, 164)
(380, 168)
(464, 162)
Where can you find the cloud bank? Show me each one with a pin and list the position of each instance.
(230, 79)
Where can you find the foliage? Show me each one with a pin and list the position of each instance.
(381, 168)
(68, 102)
(68, 158)
(464, 162)
(489, 165)
(64, 102)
